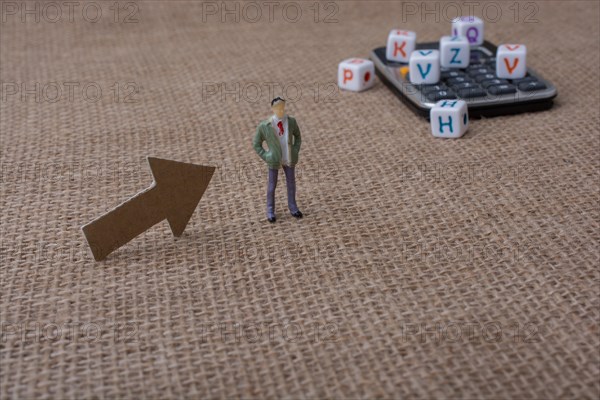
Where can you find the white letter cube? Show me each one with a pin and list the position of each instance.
(449, 118)
(400, 44)
(470, 27)
(511, 61)
(424, 67)
(455, 52)
(356, 74)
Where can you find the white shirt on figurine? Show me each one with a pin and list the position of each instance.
(283, 139)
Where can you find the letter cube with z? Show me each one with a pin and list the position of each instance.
(449, 119)
(455, 52)
(400, 45)
(356, 74)
(424, 67)
(470, 27)
(511, 61)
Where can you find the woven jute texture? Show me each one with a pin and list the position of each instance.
(424, 268)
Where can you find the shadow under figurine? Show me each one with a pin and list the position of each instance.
(283, 139)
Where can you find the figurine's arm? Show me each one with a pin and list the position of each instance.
(297, 138)
(257, 143)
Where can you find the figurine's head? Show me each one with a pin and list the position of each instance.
(278, 107)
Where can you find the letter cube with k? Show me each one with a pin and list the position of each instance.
(400, 45)
(424, 67)
(356, 74)
(455, 52)
(511, 61)
(470, 27)
(449, 119)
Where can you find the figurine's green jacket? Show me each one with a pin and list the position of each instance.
(272, 156)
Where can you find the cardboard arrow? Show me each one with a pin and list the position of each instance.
(174, 195)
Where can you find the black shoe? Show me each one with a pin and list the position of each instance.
(272, 219)
(297, 214)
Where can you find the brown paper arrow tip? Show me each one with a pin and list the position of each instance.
(174, 195)
(181, 186)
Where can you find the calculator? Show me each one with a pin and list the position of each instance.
(486, 95)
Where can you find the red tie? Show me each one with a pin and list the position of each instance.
(280, 126)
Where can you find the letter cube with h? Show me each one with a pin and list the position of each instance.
(511, 61)
(449, 119)
(470, 27)
(400, 45)
(424, 67)
(455, 52)
(356, 74)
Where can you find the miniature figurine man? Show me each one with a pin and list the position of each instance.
(283, 141)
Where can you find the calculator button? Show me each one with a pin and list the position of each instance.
(463, 85)
(484, 77)
(477, 56)
(475, 66)
(426, 89)
(523, 80)
(458, 79)
(502, 89)
(441, 95)
(531, 86)
(471, 92)
(478, 69)
(493, 82)
(451, 74)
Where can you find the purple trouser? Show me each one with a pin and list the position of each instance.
(290, 181)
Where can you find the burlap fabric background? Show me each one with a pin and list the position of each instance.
(423, 268)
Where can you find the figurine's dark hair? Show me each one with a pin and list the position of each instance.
(275, 100)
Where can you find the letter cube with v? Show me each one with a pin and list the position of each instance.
(424, 67)
(470, 27)
(511, 61)
(449, 119)
(356, 74)
(455, 52)
(400, 45)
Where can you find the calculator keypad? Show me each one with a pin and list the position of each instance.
(478, 80)
(478, 85)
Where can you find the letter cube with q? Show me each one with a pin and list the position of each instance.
(470, 27)
(449, 119)
(511, 61)
(424, 67)
(400, 45)
(455, 52)
(356, 74)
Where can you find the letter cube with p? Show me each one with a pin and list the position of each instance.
(356, 74)
(400, 45)
(511, 61)
(455, 52)
(470, 27)
(424, 67)
(449, 119)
